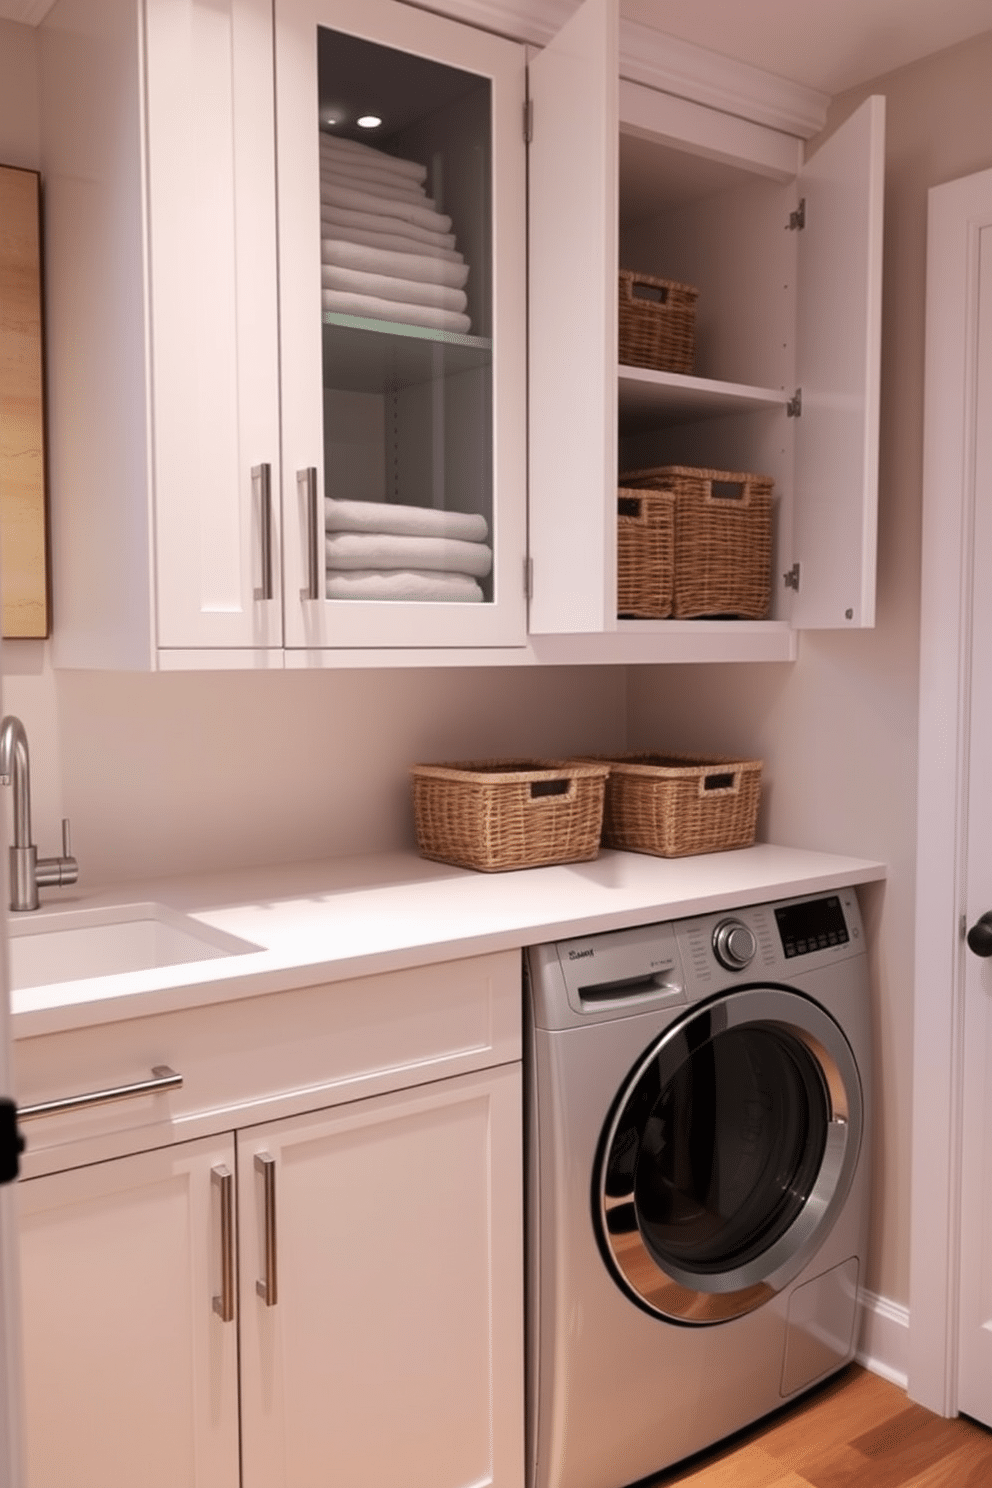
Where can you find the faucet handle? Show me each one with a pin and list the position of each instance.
(55, 872)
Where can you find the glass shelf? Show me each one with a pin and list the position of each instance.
(376, 356)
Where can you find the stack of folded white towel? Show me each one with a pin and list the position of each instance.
(386, 252)
(380, 550)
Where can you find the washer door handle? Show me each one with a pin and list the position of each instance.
(980, 935)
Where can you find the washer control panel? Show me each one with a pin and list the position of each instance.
(625, 973)
(813, 925)
(768, 940)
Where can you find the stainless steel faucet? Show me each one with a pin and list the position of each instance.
(28, 872)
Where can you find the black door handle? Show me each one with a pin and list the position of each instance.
(11, 1142)
(980, 935)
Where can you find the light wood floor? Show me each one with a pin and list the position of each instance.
(856, 1430)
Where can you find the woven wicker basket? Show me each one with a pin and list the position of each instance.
(723, 539)
(657, 323)
(672, 806)
(500, 814)
(645, 550)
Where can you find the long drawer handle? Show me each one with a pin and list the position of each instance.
(164, 1078)
(268, 1287)
(262, 474)
(306, 483)
(222, 1179)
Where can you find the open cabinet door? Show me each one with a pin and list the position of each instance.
(838, 359)
(573, 226)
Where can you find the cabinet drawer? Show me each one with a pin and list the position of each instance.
(253, 1058)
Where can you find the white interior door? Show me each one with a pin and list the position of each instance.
(975, 1342)
(839, 337)
(950, 1279)
(11, 1465)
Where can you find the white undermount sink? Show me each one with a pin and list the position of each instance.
(76, 944)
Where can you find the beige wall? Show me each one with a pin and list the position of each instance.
(838, 729)
(19, 122)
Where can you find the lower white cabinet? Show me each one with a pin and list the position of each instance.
(129, 1374)
(381, 1291)
(333, 1296)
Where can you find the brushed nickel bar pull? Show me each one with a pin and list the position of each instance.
(268, 1287)
(306, 484)
(262, 476)
(164, 1079)
(222, 1179)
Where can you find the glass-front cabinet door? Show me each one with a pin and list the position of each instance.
(401, 187)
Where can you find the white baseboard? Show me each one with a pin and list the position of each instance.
(884, 1338)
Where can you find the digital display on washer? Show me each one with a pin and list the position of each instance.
(811, 926)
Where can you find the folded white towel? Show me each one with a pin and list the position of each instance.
(426, 268)
(387, 241)
(333, 144)
(385, 550)
(409, 291)
(363, 201)
(376, 222)
(403, 521)
(421, 585)
(369, 183)
(365, 171)
(400, 311)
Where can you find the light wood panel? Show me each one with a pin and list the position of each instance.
(857, 1430)
(23, 547)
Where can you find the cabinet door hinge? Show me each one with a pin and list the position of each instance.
(528, 578)
(528, 120)
(797, 219)
(791, 579)
(794, 407)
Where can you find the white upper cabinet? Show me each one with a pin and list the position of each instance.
(289, 356)
(787, 261)
(403, 320)
(158, 158)
(192, 453)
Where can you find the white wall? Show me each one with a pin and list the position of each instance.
(838, 729)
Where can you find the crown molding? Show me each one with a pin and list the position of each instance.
(533, 21)
(649, 57)
(673, 66)
(663, 62)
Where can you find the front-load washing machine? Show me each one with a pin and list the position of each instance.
(697, 1134)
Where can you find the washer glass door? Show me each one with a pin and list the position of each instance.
(730, 1150)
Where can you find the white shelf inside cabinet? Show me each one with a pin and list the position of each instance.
(649, 399)
(379, 356)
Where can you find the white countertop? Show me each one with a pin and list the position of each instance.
(324, 922)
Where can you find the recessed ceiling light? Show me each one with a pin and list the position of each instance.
(369, 121)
